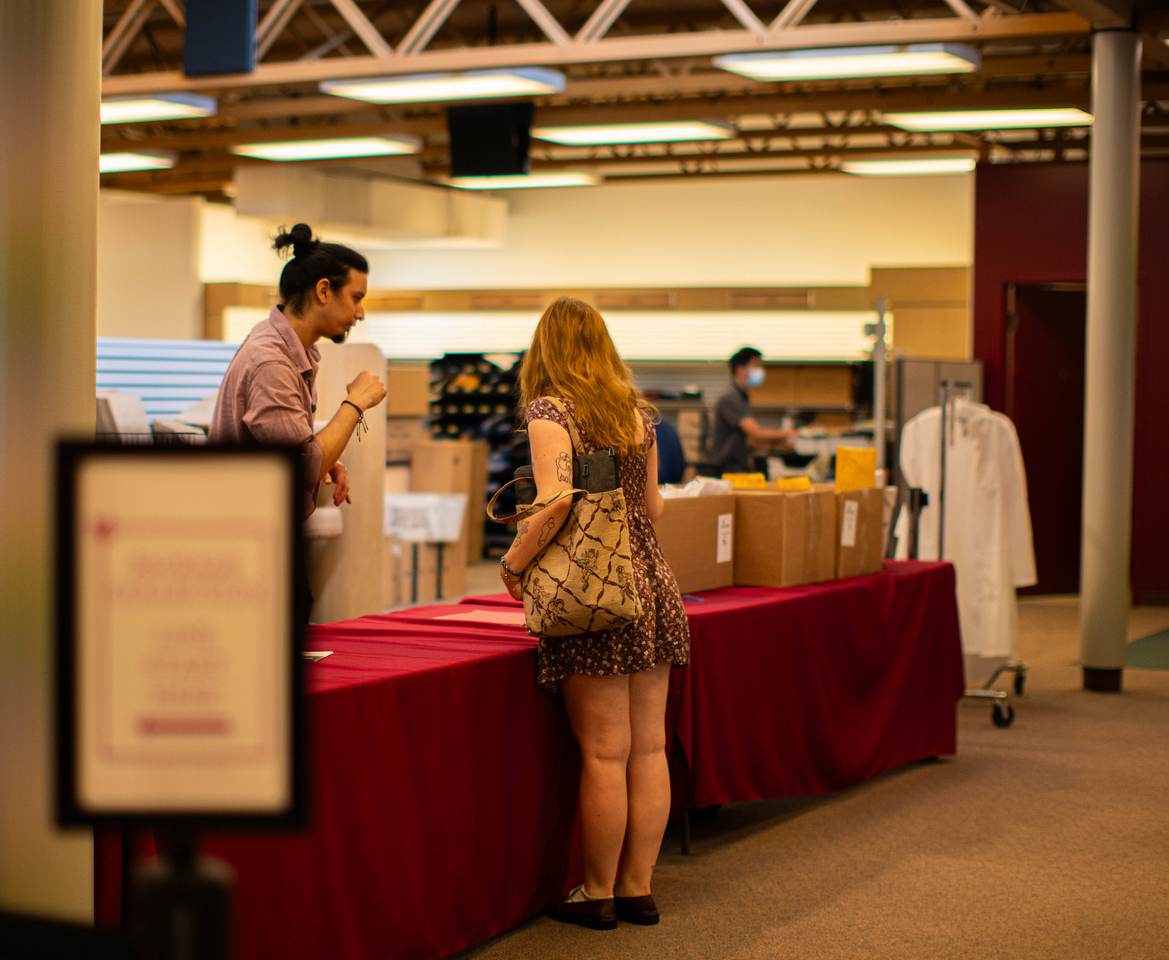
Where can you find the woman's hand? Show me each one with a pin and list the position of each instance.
(512, 584)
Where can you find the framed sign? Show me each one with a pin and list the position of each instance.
(179, 675)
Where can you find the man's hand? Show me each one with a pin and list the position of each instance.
(366, 390)
(340, 476)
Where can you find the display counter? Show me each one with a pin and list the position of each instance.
(444, 781)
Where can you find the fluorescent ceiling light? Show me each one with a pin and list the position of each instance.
(330, 149)
(140, 160)
(903, 168)
(990, 119)
(527, 181)
(664, 132)
(885, 61)
(163, 106)
(473, 85)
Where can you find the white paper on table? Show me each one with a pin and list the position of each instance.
(848, 524)
(509, 618)
(726, 533)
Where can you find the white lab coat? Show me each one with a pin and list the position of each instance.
(988, 523)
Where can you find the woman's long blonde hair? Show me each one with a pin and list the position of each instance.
(572, 356)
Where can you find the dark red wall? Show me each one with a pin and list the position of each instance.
(1031, 226)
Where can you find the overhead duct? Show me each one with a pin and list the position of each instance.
(370, 211)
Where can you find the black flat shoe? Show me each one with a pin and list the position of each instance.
(594, 914)
(640, 910)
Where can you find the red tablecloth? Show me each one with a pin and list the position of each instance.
(444, 781)
(809, 689)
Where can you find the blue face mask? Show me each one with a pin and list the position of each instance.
(756, 377)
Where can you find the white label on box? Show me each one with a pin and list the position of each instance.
(848, 524)
(726, 532)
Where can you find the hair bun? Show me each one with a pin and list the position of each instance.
(300, 238)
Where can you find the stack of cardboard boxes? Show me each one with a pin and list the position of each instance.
(415, 463)
(772, 537)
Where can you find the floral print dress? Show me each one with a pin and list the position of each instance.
(661, 634)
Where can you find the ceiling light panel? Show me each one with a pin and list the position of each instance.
(330, 149)
(829, 63)
(474, 85)
(909, 168)
(989, 119)
(170, 106)
(141, 160)
(664, 132)
(527, 181)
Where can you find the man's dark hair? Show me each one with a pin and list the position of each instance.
(743, 358)
(313, 260)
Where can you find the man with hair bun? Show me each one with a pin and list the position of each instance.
(269, 394)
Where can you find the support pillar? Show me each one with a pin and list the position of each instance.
(50, 72)
(1111, 357)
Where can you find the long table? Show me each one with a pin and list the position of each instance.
(444, 780)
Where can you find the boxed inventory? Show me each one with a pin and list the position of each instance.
(859, 519)
(784, 539)
(407, 391)
(697, 539)
(402, 433)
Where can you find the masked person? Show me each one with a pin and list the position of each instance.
(269, 393)
(734, 429)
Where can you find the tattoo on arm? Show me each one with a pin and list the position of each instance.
(564, 468)
(546, 531)
(521, 531)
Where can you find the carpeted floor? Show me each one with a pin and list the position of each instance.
(1046, 840)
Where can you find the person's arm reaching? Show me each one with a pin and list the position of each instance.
(759, 436)
(552, 471)
(365, 391)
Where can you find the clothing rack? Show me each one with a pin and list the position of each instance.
(1002, 713)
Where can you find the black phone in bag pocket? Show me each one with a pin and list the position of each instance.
(591, 472)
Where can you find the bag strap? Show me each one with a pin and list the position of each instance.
(531, 509)
(573, 433)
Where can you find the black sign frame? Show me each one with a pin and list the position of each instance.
(69, 810)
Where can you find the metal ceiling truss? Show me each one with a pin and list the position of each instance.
(591, 43)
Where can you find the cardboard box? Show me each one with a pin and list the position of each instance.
(402, 433)
(453, 466)
(697, 538)
(407, 391)
(784, 539)
(413, 576)
(859, 518)
(477, 501)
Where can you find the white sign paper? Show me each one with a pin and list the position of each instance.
(726, 533)
(848, 524)
(182, 634)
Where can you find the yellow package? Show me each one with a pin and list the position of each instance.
(747, 481)
(856, 468)
(794, 483)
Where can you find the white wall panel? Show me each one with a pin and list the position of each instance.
(639, 335)
(780, 231)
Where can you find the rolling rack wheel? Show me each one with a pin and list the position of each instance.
(1002, 713)
(1020, 684)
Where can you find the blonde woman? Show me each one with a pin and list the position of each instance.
(614, 682)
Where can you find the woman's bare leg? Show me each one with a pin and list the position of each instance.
(598, 710)
(648, 779)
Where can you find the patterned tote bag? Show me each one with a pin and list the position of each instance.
(583, 579)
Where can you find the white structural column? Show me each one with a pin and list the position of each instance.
(50, 65)
(1111, 350)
